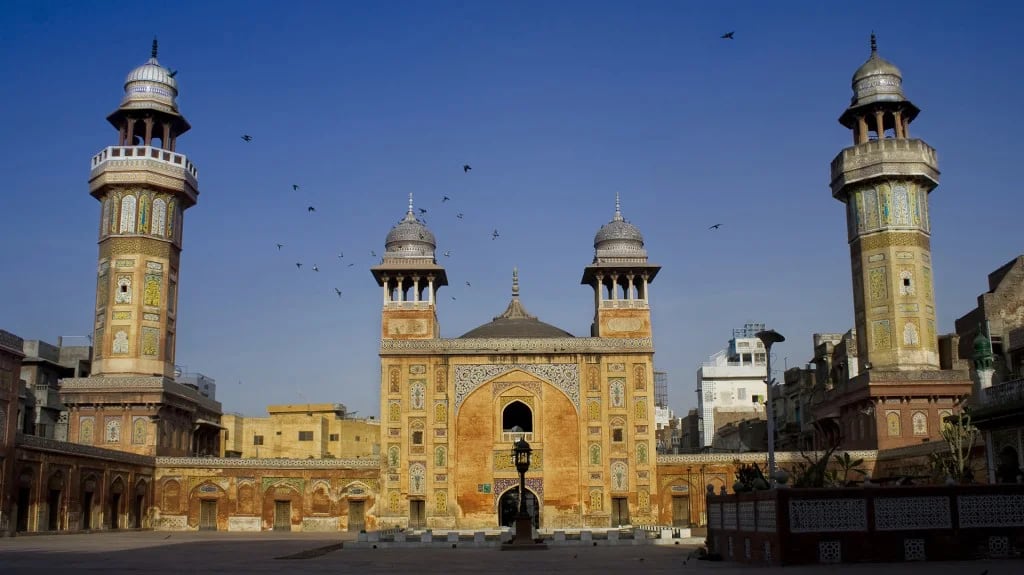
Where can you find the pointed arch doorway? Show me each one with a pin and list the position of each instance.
(508, 507)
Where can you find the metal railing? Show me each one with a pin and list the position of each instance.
(1009, 391)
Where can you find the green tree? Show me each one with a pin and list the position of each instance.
(848, 464)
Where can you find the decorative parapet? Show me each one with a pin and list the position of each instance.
(890, 157)
(517, 345)
(77, 449)
(144, 164)
(140, 383)
(754, 457)
(235, 463)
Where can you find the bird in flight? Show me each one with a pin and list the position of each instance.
(453, 298)
(423, 211)
(469, 284)
(715, 227)
(298, 265)
(341, 255)
(448, 254)
(279, 246)
(350, 265)
(444, 199)
(316, 269)
(337, 291)
(295, 187)
(172, 73)
(495, 235)
(466, 168)
(310, 209)
(459, 215)
(247, 137)
(728, 36)
(373, 254)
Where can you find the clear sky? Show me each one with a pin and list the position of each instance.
(556, 105)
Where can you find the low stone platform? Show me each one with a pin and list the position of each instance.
(398, 538)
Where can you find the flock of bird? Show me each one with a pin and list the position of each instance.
(466, 168)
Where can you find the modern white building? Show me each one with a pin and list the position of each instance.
(730, 385)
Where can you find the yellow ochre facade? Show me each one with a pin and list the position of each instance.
(301, 431)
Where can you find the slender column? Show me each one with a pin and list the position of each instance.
(430, 289)
(149, 132)
(121, 135)
(629, 291)
(387, 289)
(416, 288)
(880, 124)
(898, 115)
(173, 142)
(646, 297)
(862, 130)
(166, 139)
(130, 138)
(906, 128)
(401, 292)
(615, 286)
(599, 288)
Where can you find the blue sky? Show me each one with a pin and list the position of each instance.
(556, 105)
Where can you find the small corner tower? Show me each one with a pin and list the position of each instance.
(884, 179)
(144, 188)
(410, 278)
(620, 276)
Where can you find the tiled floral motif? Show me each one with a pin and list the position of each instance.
(910, 334)
(822, 515)
(503, 484)
(881, 335)
(564, 376)
(766, 516)
(620, 476)
(913, 549)
(746, 512)
(876, 284)
(906, 282)
(991, 510)
(830, 552)
(617, 391)
(900, 513)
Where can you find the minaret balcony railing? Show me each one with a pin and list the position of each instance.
(407, 305)
(893, 156)
(1005, 393)
(112, 154)
(624, 304)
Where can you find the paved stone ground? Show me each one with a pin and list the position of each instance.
(155, 553)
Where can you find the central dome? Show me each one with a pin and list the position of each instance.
(516, 321)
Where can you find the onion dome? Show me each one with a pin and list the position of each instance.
(516, 321)
(410, 239)
(877, 80)
(151, 86)
(619, 240)
(982, 355)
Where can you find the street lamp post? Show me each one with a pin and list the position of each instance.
(768, 338)
(524, 525)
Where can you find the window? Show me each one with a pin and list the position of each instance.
(305, 436)
(741, 393)
(334, 437)
(515, 414)
(417, 438)
(257, 440)
(617, 435)
(357, 437)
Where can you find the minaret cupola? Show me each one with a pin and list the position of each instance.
(148, 114)
(878, 109)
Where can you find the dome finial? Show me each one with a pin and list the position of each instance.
(618, 208)
(874, 43)
(515, 282)
(410, 212)
(152, 53)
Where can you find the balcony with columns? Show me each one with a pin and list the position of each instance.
(621, 291)
(409, 292)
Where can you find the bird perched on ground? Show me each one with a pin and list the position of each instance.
(279, 246)
(247, 137)
(310, 209)
(466, 168)
(444, 199)
(728, 36)
(714, 227)
(298, 265)
(337, 291)
(315, 268)
(295, 187)
(495, 235)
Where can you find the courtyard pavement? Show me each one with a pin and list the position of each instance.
(155, 553)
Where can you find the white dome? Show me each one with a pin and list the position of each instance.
(619, 239)
(410, 238)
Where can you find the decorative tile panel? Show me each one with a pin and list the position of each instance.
(564, 376)
(502, 484)
(913, 550)
(766, 521)
(822, 515)
(898, 513)
(830, 552)
(991, 510)
(746, 511)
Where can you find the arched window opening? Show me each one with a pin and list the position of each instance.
(518, 414)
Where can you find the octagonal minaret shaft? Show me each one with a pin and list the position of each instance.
(884, 179)
(144, 188)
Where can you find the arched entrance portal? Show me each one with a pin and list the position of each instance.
(508, 507)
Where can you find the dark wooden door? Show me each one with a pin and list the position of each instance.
(680, 511)
(208, 515)
(620, 511)
(417, 513)
(356, 516)
(282, 516)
